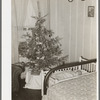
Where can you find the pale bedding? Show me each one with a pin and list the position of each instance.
(79, 88)
(33, 81)
(65, 75)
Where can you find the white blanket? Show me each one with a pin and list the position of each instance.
(33, 81)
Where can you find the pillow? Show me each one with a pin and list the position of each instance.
(63, 75)
(60, 75)
(67, 74)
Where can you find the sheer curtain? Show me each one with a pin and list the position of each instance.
(44, 9)
(19, 14)
(19, 8)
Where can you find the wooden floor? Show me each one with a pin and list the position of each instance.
(27, 94)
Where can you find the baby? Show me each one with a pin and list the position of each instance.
(78, 72)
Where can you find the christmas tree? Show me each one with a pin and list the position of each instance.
(41, 48)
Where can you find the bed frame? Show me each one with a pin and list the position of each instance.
(88, 65)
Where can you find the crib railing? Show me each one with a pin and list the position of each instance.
(89, 66)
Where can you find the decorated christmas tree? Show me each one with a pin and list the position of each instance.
(41, 48)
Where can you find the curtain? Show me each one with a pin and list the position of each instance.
(34, 5)
(19, 8)
(14, 35)
(44, 9)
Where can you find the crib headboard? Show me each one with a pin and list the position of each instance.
(70, 66)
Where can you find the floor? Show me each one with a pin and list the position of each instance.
(27, 94)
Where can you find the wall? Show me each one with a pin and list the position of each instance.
(70, 21)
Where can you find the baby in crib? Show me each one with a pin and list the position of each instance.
(77, 72)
